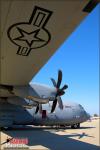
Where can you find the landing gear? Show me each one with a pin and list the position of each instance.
(5, 128)
(2, 128)
(75, 126)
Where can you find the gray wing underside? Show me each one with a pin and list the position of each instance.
(31, 32)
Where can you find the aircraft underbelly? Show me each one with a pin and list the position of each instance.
(57, 118)
(11, 115)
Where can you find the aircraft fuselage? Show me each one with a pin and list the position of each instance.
(16, 115)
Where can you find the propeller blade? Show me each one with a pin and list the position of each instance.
(59, 78)
(54, 82)
(60, 102)
(37, 109)
(40, 108)
(54, 105)
(64, 87)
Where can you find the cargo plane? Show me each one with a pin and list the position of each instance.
(31, 32)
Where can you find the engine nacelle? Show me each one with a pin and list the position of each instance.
(29, 93)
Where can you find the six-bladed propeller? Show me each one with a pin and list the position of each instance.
(60, 91)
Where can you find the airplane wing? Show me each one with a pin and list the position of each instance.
(31, 31)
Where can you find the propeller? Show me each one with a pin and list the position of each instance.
(38, 108)
(60, 91)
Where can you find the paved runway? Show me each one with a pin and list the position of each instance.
(45, 138)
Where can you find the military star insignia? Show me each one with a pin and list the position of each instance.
(30, 37)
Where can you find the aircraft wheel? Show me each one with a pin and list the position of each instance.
(78, 125)
(75, 126)
(1, 128)
(5, 128)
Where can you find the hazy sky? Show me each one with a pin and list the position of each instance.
(78, 58)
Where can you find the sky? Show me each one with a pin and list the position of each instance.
(78, 58)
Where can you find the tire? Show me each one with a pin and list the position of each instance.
(75, 126)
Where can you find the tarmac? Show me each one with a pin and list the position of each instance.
(47, 138)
